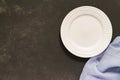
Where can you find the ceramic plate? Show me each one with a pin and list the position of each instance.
(86, 31)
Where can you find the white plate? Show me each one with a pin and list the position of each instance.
(86, 31)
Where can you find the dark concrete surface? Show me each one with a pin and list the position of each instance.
(30, 45)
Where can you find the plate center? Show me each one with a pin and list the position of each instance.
(86, 31)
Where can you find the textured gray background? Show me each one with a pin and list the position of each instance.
(30, 45)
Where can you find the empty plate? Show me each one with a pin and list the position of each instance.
(86, 31)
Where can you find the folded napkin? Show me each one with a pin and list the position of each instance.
(105, 66)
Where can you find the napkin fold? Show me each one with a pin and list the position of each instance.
(105, 66)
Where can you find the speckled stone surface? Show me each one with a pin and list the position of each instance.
(30, 45)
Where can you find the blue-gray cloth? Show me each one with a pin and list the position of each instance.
(105, 66)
